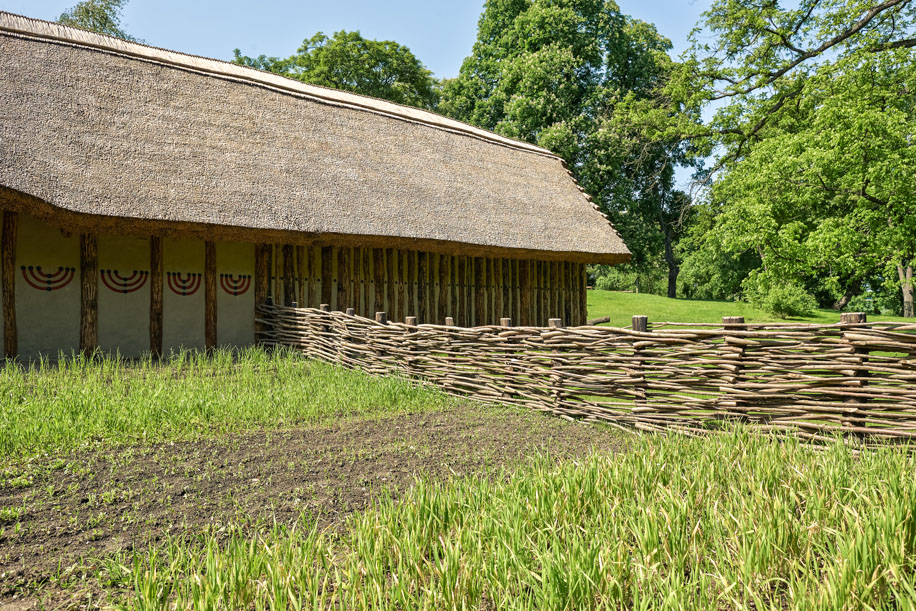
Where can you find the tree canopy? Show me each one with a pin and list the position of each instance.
(101, 16)
(814, 133)
(567, 75)
(347, 61)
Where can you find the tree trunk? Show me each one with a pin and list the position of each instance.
(906, 287)
(854, 288)
(673, 268)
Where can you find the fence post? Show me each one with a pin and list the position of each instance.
(736, 354)
(449, 321)
(640, 325)
(351, 312)
(859, 374)
(410, 321)
(556, 381)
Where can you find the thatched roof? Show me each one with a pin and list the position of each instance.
(100, 132)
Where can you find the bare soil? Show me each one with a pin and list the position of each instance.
(59, 515)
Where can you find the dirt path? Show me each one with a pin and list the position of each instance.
(76, 508)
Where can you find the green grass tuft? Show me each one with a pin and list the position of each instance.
(734, 521)
(47, 408)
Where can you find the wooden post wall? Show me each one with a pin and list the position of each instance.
(155, 295)
(8, 250)
(431, 286)
(89, 293)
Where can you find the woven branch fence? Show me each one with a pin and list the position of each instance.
(813, 380)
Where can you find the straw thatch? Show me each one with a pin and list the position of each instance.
(102, 129)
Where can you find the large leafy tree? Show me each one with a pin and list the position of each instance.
(102, 16)
(815, 133)
(570, 75)
(347, 61)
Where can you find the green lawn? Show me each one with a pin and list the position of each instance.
(621, 307)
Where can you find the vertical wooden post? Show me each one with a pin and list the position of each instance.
(343, 278)
(449, 321)
(412, 279)
(155, 295)
(462, 291)
(496, 284)
(210, 290)
(516, 291)
(351, 312)
(423, 287)
(89, 293)
(860, 374)
(403, 283)
(392, 287)
(327, 274)
(368, 293)
(583, 291)
(289, 273)
(507, 288)
(545, 299)
(10, 232)
(479, 279)
(445, 275)
(525, 293)
(640, 325)
(277, 273)
(733, 353)
(432, 302)
(381, 318)
(378, 275)
(261, 283)
(566, 283)
(300, 275)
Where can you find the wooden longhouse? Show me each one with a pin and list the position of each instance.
(151, 199)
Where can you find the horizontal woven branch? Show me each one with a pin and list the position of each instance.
(813, 380)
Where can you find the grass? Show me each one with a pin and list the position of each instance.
(734, 521)
(621, 307)
(49, 408)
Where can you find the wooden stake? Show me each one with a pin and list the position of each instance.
(10, 232)
(210, 289)
(89, 293)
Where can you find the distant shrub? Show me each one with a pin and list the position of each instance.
(604, 283)
(782, 298)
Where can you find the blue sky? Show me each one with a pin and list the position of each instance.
(439, 32)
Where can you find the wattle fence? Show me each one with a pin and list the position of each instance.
(813, 380)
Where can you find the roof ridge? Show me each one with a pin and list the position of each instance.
(29, 26)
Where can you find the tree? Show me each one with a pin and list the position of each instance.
(101, 16)
(347, 61)
(570, 75)
(816, 132)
